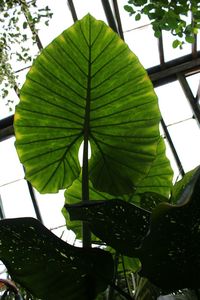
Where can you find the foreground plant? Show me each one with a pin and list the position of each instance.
(87, 86)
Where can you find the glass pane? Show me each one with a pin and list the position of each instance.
(16, 200)
(177, 176)
(143, 43)
(11, 169)
(60, 20)
(7, 105)
(128, 22)
(50, 206)
(22, 76)
(186, 138)
(170, 52)
(170, 156)
(95, 8)
(173, 104)
(194, 81)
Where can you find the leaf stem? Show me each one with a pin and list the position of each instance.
(85, 193)
(121, 292)
(111, 289)
(85, 176)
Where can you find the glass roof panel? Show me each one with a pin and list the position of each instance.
(173, 163)
(173, 103)
(11, 169)
(95, 8)
(186, 138)
(128, 22)
(170, 52)
(16, 200)
(143, 43)
(22, 77)
(7, 105)
(194, 81)
(60, 21)
(54, 202)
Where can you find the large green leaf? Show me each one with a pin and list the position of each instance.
(87, 82)
(50, 268)
(170, 254)
(121, 225)
(156, 185)
(159, 178)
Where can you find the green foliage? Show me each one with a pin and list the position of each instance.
(157, 180)
(99, 97)
(17, 36)
(48, 267)
(112, 221)
(173, 16)
(88, 86)
(172, 246)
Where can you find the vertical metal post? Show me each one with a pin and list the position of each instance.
(191, 99)
(2, 213)
(72, 10)
(34, 201)
(161, 51)
(118, 19)
(173, 149)
(109, 15)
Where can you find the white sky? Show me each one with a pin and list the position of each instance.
(173, 105)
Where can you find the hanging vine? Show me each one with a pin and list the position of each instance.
(19, 20)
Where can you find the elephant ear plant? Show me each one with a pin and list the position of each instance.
(87, 86)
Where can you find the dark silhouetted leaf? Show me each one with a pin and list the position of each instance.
(47, 266)
(121, 225)
(72, 196)
(170, 254)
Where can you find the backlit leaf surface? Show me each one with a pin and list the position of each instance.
(87, 82)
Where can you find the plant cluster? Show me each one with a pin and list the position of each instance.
(181, 18)
(18, 21)
(87, 86)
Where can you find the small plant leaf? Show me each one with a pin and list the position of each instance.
(121, 225)
(129, 9)
(190, 39)
(137, 17)
(176, 43)
(48, 267)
